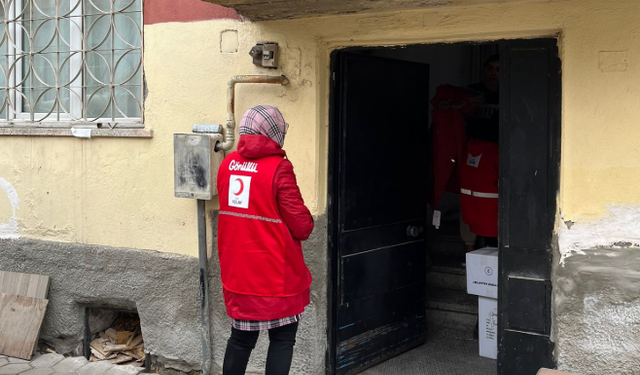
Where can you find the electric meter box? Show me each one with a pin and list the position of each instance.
(196, 165)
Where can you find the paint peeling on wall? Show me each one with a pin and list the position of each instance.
(617, 229)
(597, 311)
(10, 228)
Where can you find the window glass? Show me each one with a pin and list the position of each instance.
(70, 60)
(4, 62)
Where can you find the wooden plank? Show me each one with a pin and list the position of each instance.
(97, 355)
(120, 359)
(135, 342)
(112, 334)
(123, 337)
(20, 321)
(115, 348)
(24, 284)
(137, 353)
(140, 356)
(99, 349)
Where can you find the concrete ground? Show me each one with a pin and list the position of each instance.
(446, 352)
(56, 364)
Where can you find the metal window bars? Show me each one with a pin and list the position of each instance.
(66, 62)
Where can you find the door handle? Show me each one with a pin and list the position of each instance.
(414, 231)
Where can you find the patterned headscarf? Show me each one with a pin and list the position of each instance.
(264, 120)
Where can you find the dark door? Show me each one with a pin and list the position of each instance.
(529, 165)
(379, 128)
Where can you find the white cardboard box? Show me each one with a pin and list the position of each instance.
(488, 327)
(482, 272)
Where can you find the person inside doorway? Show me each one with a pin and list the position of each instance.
(483, 121)
(261, 224)
(480, 171)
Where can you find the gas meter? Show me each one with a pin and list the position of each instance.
(196, 163)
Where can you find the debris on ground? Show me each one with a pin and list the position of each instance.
(122, 343)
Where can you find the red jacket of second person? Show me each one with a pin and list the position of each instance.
(479, 188)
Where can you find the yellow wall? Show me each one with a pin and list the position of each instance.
(120, 192)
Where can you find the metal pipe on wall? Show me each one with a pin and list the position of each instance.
(204, 288)
(229, 138)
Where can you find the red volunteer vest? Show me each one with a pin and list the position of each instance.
(258, 255)
(479, 188)
(450, 104)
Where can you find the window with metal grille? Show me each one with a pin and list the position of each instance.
(71, 62)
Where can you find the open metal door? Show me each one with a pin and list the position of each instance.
(529, 167)
(379, 184)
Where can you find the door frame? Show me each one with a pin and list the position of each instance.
(333, 174)
(332, 216)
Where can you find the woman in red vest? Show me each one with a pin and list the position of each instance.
(261, 224)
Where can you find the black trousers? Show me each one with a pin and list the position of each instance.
(486, 241)
(241, 343)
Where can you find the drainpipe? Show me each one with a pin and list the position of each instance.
(204, 288)
(229, 127)
(213, 131)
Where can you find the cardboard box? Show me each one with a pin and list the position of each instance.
(482, 272)
(488, 327)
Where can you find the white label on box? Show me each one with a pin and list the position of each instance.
(488, 327)
(482, 272)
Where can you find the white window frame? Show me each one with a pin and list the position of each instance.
(15, 116)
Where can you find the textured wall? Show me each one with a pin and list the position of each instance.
(259, 10)
(598, 312)
(162, 287)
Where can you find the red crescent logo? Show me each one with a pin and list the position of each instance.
(241, 187)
